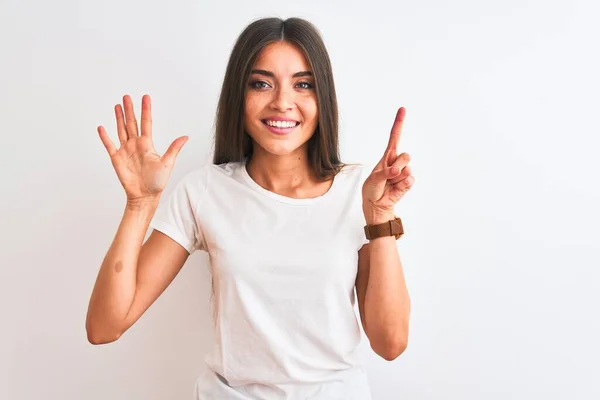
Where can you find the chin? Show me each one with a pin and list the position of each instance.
(279, 145)
(277, 149)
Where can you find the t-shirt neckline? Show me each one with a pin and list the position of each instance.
(282, 198)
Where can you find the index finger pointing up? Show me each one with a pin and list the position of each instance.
(396, 130)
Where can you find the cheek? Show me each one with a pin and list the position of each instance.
(309, 109)
(249, 105)
(251, 110)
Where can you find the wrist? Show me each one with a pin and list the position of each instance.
(378, 217)
(142, 203)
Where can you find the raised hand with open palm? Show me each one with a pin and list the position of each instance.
(140, 169)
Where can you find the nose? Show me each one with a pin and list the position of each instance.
(282, 99)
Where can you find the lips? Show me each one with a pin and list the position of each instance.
(281, 127)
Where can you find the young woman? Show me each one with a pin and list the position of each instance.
(291, 230)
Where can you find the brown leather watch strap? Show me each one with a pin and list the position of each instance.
(392, 227)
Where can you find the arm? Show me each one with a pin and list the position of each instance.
(381, 289)
(132, 276)
(383, 299)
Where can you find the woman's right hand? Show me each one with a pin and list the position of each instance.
(142, 172)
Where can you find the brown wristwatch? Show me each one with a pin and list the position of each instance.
(392, 227)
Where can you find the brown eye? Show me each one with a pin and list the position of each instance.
(305, 85)
(259, 84)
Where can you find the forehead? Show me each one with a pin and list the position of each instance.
(282, 58)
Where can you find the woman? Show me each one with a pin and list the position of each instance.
(283, 220)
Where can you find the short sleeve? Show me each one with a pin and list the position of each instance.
(177, 215)
(364, 235)
(364, 174)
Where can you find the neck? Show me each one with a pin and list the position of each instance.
(281, 174)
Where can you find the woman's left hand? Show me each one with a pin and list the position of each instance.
(390, 179)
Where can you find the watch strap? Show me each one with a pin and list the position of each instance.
(392, 227)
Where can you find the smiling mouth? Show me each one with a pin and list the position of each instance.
(281, 124)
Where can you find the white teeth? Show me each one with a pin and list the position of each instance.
(281, 124)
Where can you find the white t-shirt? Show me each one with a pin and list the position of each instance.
(283, 274)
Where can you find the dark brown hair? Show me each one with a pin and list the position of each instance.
(232, 143)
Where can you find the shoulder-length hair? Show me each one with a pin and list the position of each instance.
(232, 143)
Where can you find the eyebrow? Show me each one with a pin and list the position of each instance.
(272, 75)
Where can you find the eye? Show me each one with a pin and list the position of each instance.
(259, 84)
(305, 85)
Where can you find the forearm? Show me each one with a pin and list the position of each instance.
(115, 285)
(387, 302)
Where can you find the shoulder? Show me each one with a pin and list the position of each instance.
(228, 169)
(356, 172)
(209, 170)
(192, 186)
(196, 178)
(208, 175)
(349, 180)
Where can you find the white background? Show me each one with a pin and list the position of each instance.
(502, 247)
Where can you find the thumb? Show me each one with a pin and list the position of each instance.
(375, 183)
(173, 150)
(381, 176)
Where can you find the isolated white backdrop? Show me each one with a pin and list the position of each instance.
(501, 251)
